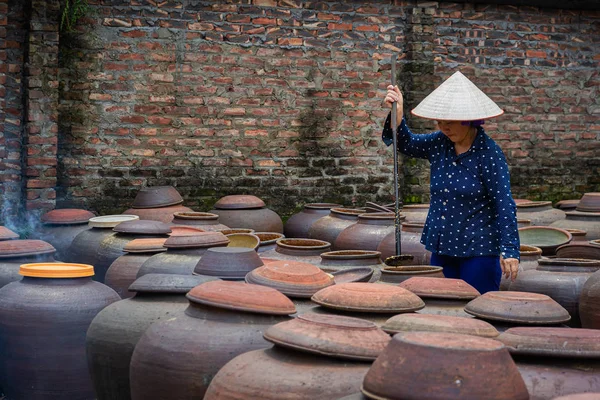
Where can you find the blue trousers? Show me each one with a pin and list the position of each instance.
(482, 272)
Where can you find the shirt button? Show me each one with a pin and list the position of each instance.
(445, 190)
(444, 203)
(443, 217)
(454, 163)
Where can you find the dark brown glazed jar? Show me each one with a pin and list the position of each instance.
(540, 213)
(367, 233)
(589, 302)
(223, 320)
(115, 331)
(410, 239)
(13, 253)
(529, 256)
(206, 221)
(303, 250)
(329, 227)
(298, 225)
(244, 211)
(585, 221)
(562, 279)
(335, 261)
(43, 321)
(59, 228)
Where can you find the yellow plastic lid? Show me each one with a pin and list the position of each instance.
(56, 270)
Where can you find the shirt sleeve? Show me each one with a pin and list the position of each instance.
(496, 178)
(418, 146)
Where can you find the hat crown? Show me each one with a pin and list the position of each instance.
(457, 99)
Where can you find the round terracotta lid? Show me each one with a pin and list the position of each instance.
(518, 307)
(157, 196)
(202, 239)
(24, 247)
(330, 335)
(368, 297)
(239, 202)
(56, 270)
(321, 206)
(110, 221)
(168, 283)
(567, 204)
(556, 342)
(353, 212)
(531, 204)
(196, 216)
(379, 216)
(151, 245)
(357, 274)
(240, 296)
(178, 230)
(438, 323)
(143, 227)
(590, 202)
(7, 234)
(440, 288)
(67, 216)
(292, 278)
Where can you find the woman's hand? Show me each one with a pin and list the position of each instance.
(510, 267)
(394, 95)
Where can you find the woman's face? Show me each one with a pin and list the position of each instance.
(454, 130)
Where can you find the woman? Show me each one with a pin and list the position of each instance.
(471, 228)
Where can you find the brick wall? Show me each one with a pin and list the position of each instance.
(281, 98)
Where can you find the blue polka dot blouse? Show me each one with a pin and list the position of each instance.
(472, 212)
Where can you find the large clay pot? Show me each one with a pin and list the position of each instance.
(529, 256)
(367, 233)
(303, 250)
(115, 331)
(43, 321)
(329, 227)
(589, 302)
(335, 261)
(410, 240)
(540, 213)
(298, 225)
(204, 338)
(416, 213)
(160, 214)
(282, 374)
(59, 228)
(561, 278)
(585, 221)
(206, 221)
(243, 211)
(13, 253)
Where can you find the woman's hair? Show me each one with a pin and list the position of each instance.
(476, 123)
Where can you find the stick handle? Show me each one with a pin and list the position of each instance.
(397, 223)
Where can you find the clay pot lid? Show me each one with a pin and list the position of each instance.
(438, 323)
(157, 196)
(358, 274)
(151, 245)
(554, 342)
(348, 211)
(56, 270)
(248, 240)
(168, 283)
(576, 232)
(239, 202)
(440, 288)
(404, 270)
(580, 396)
(559, 264)
(228, 262)
(412, 207)
(268, 238)
(368, 297)
(350, 255)
(379, 216)
(110, 221)
(588, 250)
(7, 234)
(292, 278)
(518, 307)
(567, 204)
(330, 335)
(143, 227)
(532, 204)
(590, 202)
(302, 244)
(24, 247)
(526, 250)
(523, 221)
(241, 296)
(195, 216)
(231, 231)
(67, 216)
(177, 230)
(544, 237)
(321, 206)
(201, 239)
(583, 214)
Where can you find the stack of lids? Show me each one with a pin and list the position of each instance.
(368, 298)
(143, 227)
(179, 230)
(440, 288)
(157, 196)
(168, 283)
(67, 216)
(150, 245)
(232, 263)
(239, 202)
(439, 323)
(518, 307)
(292, 278)
(110, 221)
(330, 335)
(24, 248)
(553, 342)
(202, 239)
(239, 296)
(7, 234)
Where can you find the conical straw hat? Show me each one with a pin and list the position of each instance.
(457, 99)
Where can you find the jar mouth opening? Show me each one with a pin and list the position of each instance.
(379, 216)
(321, 206)
(195, 215)
(350, 254)
(268, 237)
(532, 204)
(296, 243)
(236, 230)
(348, 211)
(411, 269)
(527, 250)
